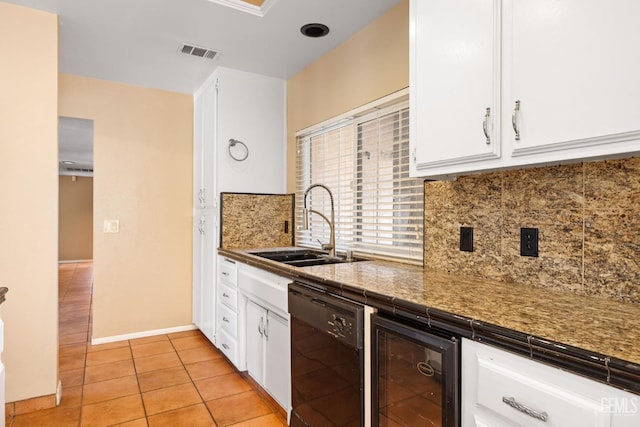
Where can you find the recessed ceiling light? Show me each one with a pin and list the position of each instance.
(68, 162)
(314, 30)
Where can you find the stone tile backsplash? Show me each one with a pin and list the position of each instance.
(588, 220)
(256, 220)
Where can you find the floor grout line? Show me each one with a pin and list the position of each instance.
(75, 289)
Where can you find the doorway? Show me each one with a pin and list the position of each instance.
(75, 220)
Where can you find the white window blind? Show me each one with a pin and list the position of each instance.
(365, 163)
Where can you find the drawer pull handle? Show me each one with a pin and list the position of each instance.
(224, 319)
(225, 295)
(226, 347)
(539, 415)
(224, 273)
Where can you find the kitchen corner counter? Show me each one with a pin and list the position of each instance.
(598, 332)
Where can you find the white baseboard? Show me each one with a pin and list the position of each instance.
(143, 334)
(74, 261)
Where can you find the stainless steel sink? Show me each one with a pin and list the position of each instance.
(302, 257)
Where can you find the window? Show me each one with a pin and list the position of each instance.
(365, 163)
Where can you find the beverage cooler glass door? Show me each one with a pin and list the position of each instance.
(414, 376)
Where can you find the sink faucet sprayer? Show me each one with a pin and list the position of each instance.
(331, 246)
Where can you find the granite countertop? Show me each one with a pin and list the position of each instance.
(606, 327)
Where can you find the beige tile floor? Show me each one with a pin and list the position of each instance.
(172, 380)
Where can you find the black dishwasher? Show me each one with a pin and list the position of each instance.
(327, 358)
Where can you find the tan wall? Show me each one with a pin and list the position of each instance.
(143, 178)
(75, 223)
(29, 199)
(371, 64)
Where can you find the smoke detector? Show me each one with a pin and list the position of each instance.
(201, 52)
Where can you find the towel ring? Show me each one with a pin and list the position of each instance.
(239, 155)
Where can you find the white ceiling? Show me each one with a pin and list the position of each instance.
(136, 41)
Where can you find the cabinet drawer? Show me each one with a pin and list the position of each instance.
(228, 320)
(228, 345)
(268, 288)
(498, 385)
(228, 271)
(228, 296)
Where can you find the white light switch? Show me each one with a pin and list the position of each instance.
(111, 226)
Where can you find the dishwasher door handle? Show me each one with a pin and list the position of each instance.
(318, 302)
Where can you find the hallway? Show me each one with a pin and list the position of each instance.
(177, 379)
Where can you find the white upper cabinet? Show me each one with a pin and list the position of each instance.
(204, 119)
(454, 83)
(572, 66)
(559, 77)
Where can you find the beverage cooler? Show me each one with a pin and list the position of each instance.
(415, 375)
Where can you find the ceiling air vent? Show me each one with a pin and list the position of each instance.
(78, 170)
(201, 52)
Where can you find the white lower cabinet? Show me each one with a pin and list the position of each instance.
(277, 366)
(255, 343)
(503, 389)
(227, 316)
(264, 321)
(268, 351)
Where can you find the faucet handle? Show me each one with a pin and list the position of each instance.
(325, 246)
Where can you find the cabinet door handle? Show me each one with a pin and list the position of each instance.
(539, 415)
(487, 115)
(225, 295)
(224, 273)
(261, 327)
(514, 120)
(226, 347)
(224, 319)
(266, 329)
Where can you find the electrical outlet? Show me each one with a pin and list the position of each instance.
(466, 239)
(529, 242)
(111, 226)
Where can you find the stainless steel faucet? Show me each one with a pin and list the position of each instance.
(331, 246)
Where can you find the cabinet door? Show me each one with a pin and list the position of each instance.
(208, 275)
(256, 321)
(204, 127)
(198, 124)
(277, 374)
(572, 66)
(208, 146)
(198, 221)
(455, 83)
